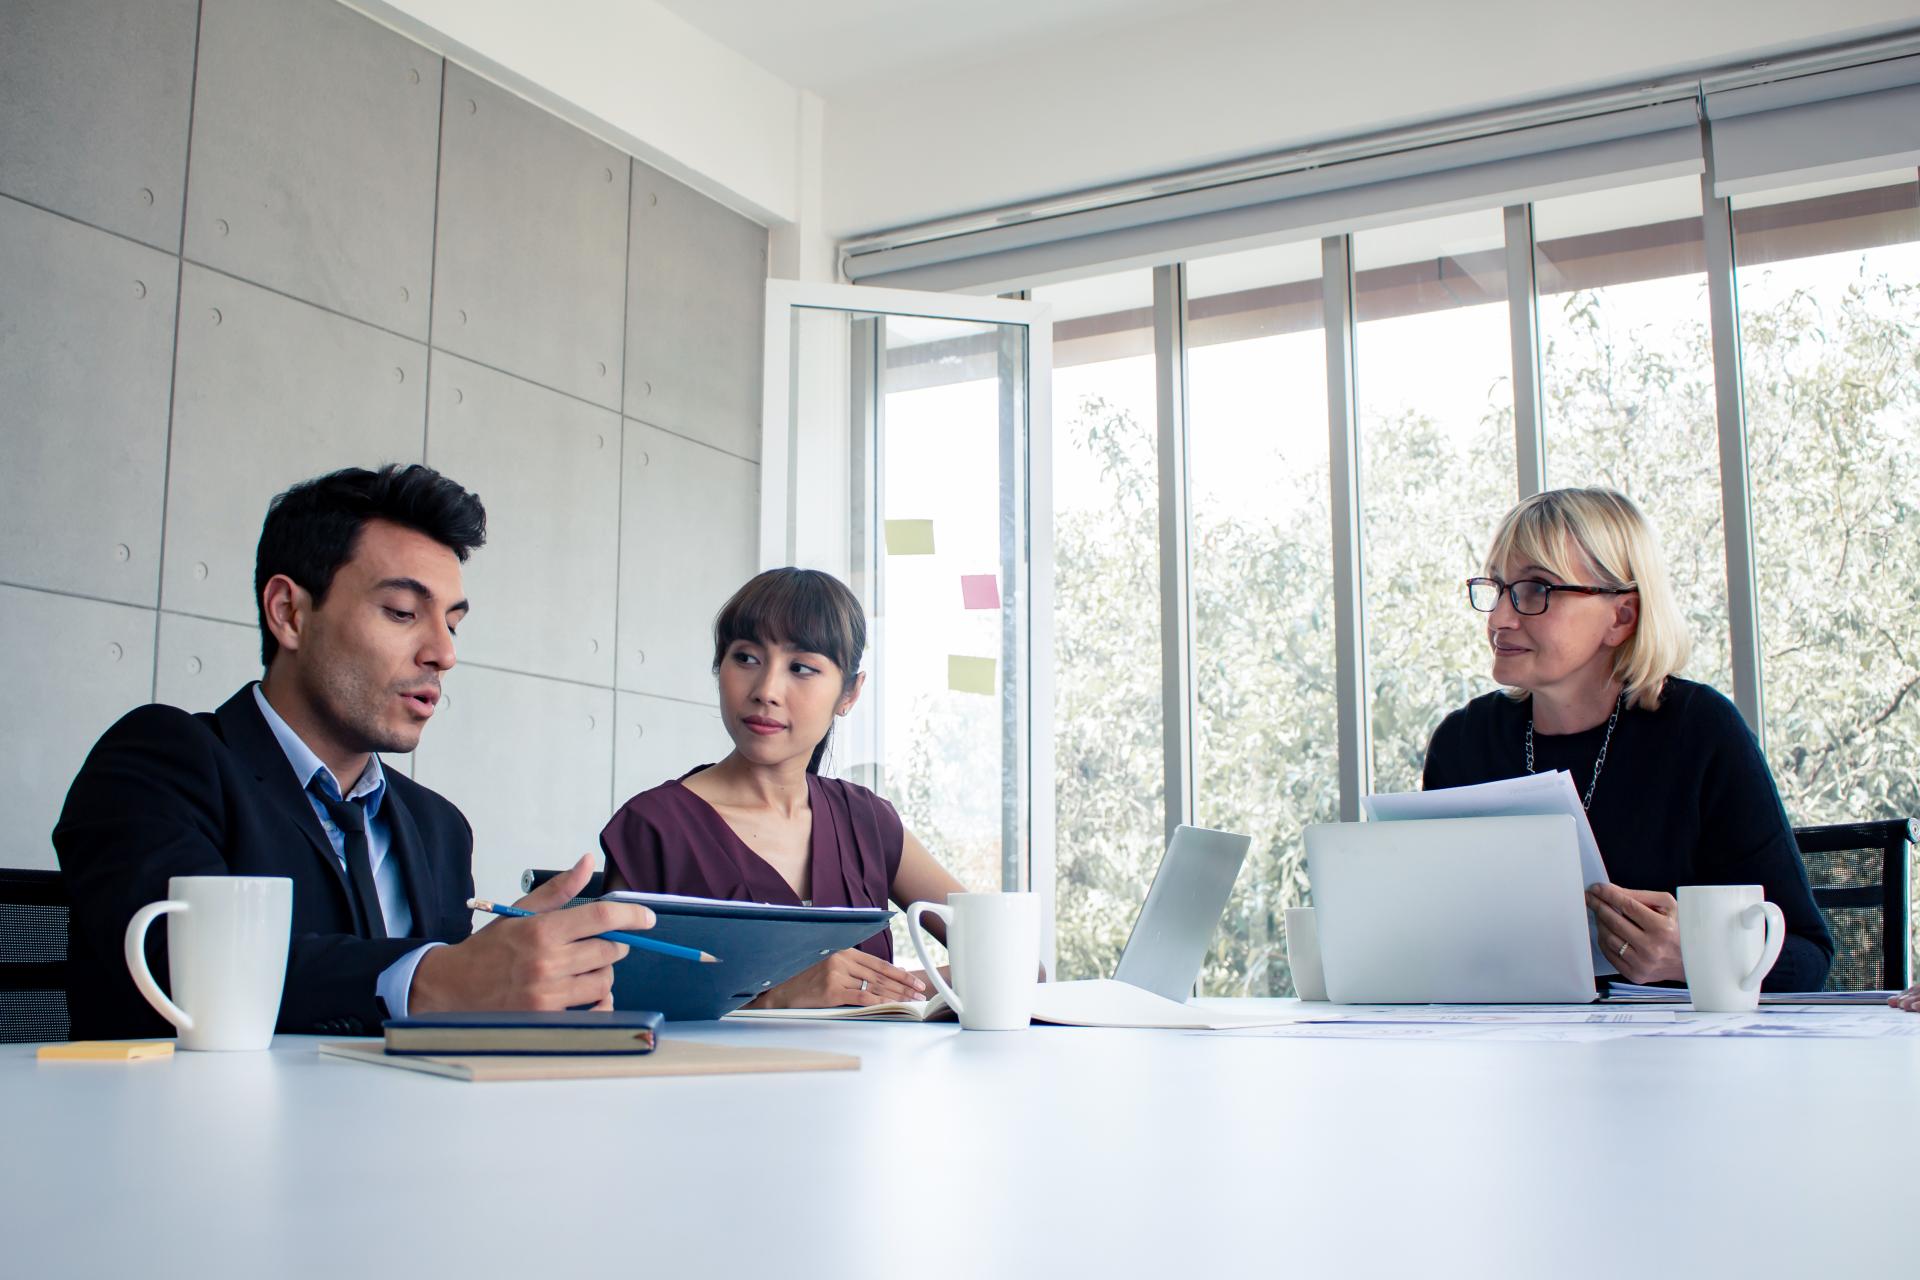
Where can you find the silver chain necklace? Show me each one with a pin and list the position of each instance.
(1600, 761)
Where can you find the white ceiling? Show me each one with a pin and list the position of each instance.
(1175, 87)
(830, 46)
(842, 118)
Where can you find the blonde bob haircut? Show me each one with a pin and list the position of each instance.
(1561, 527)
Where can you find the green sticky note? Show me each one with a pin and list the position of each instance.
(970, 675)
(909, 537)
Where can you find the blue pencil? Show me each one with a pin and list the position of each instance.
(631, 939)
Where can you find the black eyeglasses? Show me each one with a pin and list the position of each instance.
(1530, 596)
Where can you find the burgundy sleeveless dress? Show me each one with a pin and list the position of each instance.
(669, 840)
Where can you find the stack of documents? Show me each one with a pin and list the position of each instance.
(1632, 993)
(1531, 795)
(1588, 1025)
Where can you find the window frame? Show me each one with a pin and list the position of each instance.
(786, 459)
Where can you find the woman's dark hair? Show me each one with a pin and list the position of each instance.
(802, 609)
(312, 528)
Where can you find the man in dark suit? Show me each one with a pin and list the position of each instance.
(358, 583)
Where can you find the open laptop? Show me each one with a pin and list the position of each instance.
(1176, 923)
(1451, 911)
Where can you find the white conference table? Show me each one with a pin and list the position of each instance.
(1049, 1152)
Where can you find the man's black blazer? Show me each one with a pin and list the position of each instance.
(165, 793)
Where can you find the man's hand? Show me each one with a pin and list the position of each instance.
(845, 977)
(1640, 932)
(551, 960)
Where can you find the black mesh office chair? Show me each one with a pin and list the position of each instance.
(1859, 876)
(33, 956)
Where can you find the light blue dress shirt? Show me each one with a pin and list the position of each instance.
(396, 981)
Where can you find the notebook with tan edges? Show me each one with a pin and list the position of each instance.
(105, 1051)
(671, 1058)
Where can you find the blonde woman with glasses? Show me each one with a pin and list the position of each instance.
(1588, 640)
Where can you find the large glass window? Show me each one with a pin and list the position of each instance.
(1110, 788)
(1829, 291)
(1266, 751)
(1434, 375)
(1626, 361)
(935, 504)
(942, 488)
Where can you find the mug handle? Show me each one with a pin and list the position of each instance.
(136, 947)
(1776, 938)
(917, 934)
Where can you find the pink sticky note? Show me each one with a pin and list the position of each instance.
(980, 591)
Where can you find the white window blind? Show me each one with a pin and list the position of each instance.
(1616, 147)
(1810, 128)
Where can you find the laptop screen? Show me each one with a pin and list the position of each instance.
(1176, 923)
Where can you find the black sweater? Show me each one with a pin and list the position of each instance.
(1684, 798)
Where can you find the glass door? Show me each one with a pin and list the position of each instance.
(905, 449)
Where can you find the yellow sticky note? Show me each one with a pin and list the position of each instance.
(909, 537)
(105, 1050)
(970, 675)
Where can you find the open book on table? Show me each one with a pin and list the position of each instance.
(933, 1009)
(1092, 1002)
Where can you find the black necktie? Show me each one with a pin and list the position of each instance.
(351, 817)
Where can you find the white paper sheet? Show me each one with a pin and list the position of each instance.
(1530, 795)
(1630, 993)
(1560, 1033)
(1419, 1014)
(1779, 1025)
(1090, 1002)
(1103, 1002)
(1570, 1027)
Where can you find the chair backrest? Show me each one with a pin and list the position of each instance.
(1859, 876)
(33, 956)
(533, 878)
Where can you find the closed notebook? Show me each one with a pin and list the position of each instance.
(573, 1031)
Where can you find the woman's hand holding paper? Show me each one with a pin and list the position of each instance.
(1639, 931)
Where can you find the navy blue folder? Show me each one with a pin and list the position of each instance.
(758, 946)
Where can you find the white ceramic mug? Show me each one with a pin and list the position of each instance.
(1303, 954)
(993, 943)
(226, 958)
(1730, 935)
